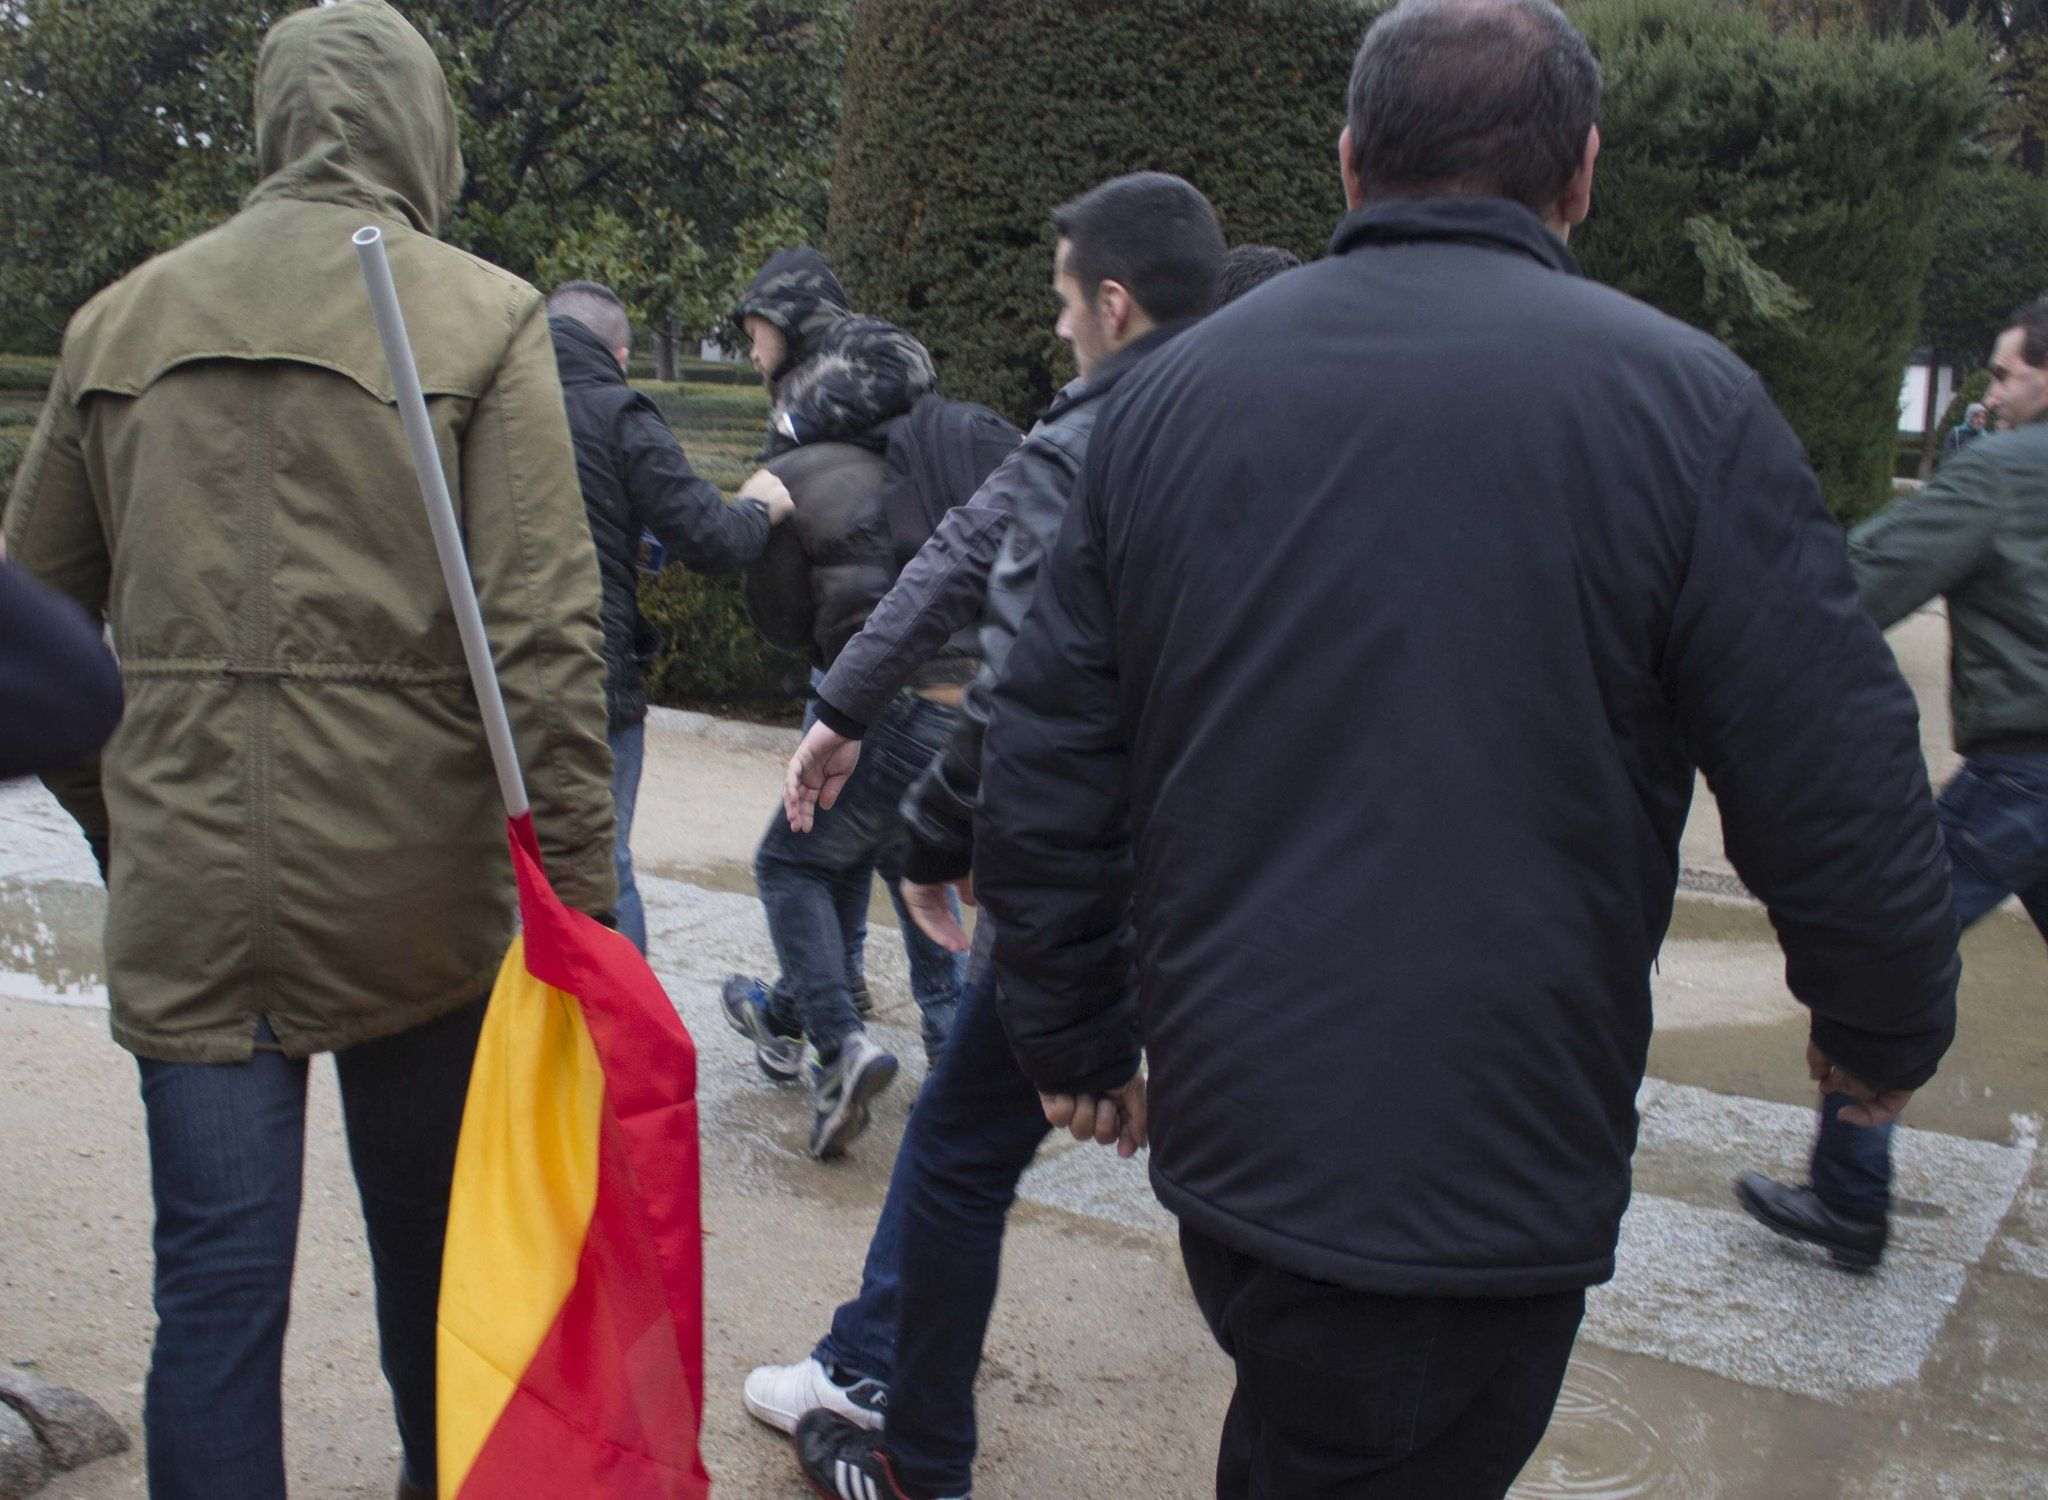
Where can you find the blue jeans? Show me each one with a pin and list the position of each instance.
(814, 886)
(226, 1145)
(930, 1279)
(629, 752)
(1994, 820)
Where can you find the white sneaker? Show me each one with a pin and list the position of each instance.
(780, 1395)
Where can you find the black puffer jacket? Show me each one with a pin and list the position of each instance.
(844, 375)
(635, 478)
(1366, 755)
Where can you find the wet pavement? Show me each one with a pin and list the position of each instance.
(1720, 1362)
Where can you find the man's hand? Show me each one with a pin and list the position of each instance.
(816, 775)
(934, 915)
(1116, 1118)
(1873, 1106)
(771, 492)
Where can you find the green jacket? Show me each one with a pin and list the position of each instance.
(304, 823)
(1977, 533)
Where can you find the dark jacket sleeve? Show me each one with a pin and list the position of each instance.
(941, 590)
(60, 692)
(1793, 706)
(1052, 845)
(666, 496)
(939, 808)
(1925, 544)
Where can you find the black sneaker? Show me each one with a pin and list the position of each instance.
(863, 1002)
(778, 1050)
(841, 1089)
(845, 1462)
(1798, 1214)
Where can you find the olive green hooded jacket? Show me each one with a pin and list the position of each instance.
(1978, 534)
(304, 823)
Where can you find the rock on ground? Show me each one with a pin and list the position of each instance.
(74, 1428)
(23, 1463)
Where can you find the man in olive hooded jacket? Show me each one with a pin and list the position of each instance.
(307, 852)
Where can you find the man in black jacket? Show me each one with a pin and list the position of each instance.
(1137, 261)
(1344, 769)
(636, 480)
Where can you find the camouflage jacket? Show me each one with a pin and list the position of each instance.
(845, 375)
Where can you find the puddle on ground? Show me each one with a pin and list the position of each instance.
(1997, 1068)
(50, 932)
(1598, 1447)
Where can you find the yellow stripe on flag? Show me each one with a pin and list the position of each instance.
(525, 1186)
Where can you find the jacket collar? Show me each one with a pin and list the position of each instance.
(581, 356)
(1492, 223)
(1103, 378)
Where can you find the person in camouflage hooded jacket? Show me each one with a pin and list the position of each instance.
(833, 375)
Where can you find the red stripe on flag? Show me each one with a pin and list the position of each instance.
(622, 1369)
(604, 1408)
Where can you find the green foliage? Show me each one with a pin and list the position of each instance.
(124, 128)
(1990, 255)
(26, 372)
(651, 145)
(949, 164)
(1781, 189)
(13, 445)
(711, 651)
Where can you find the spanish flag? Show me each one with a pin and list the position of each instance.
(571, 1340)
(572, 1335)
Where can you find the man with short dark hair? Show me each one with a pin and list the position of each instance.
(636, 480)
(1977, 536)
(1250, 266)
(1135, 264)
(1343, 769)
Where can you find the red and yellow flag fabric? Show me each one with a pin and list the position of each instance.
(572, 1289)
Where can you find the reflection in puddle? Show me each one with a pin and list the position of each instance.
(1598, 1447)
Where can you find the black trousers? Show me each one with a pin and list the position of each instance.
(1347, 1394)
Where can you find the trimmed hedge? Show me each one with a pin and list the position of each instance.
(1781, 190)
(948, 167)
(1777, 188)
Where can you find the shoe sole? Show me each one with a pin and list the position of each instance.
(764, 1042)
(1856, 1262)
(852, 1118)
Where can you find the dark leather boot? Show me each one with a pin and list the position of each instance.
(1798, 1214)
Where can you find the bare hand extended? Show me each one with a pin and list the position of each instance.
(1116, 1118)
(1873, 1106)
(771, 492)
(934, 916)
(817, 773)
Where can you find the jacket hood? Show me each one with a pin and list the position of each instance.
(799, 294)
(580, 355)
(352, 107)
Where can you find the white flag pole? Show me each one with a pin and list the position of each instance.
(426, 463)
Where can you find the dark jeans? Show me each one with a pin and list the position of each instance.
(930, 1279)
(226, 1144)
(629, 750)
(1994, 819)
(1346, 1394)
(815, 885)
